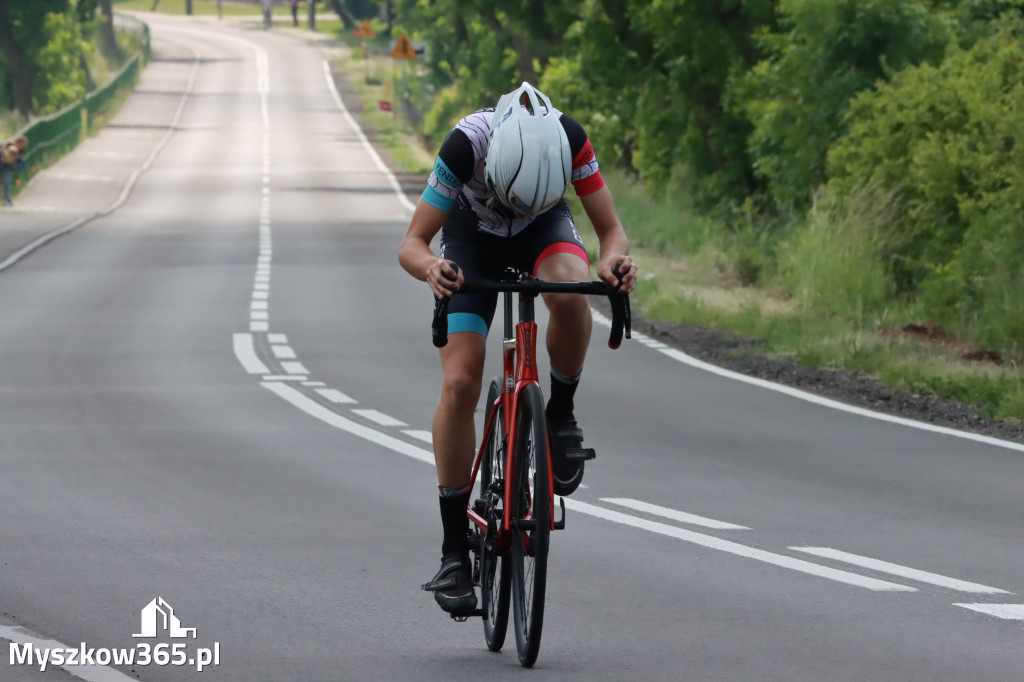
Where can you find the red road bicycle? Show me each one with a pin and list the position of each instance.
(511, 520)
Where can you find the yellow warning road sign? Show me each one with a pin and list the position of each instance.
(403, 49)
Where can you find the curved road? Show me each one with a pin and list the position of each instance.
(216, 393)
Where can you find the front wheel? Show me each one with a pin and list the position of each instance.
(531, 522)
(495, 580)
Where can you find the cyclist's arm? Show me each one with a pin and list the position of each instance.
(452, 169)
(416, 257)
(597, 202)
(614, 245)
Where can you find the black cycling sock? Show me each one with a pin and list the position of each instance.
(563, 388)
(455, 523)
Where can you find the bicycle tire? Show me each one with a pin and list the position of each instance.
(495, 581)
(531, 523)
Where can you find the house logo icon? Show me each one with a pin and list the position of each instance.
(158, 616)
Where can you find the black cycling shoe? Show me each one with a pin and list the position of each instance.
(567, 455)
(453, 585)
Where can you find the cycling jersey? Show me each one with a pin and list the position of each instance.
(459, 172)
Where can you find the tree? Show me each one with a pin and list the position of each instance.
(23, 35)
(649, 80)
(825, 52)
(17, 63)
(60, 79)
(347, 20)
(108, 41)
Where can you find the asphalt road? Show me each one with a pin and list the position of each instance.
(216, 388)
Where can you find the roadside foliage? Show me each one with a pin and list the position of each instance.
(876, 138)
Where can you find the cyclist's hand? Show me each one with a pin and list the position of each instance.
(627, 270)
(443, 279)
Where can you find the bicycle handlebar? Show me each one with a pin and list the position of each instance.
(531, 286)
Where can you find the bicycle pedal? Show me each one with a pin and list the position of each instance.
(463, 617)
(579, 454)
(560, 523)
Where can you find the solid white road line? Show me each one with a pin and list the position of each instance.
(91, 673)
(673, 514)
(402, 199)
(738, 549)
(245, 351)
(901, 571)
(424, 436)
(685, 359)
(1004, 611)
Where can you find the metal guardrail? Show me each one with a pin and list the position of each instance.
(129, 25)
(51, 137)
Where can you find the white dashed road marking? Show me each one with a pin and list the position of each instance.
(335, 396)
(738, 549)
(673, 514)
(1004, 611)
(379, 418)
(901, 571)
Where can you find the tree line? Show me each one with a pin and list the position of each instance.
(901, 112)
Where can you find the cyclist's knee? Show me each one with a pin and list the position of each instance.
(563, 267)
(564, 306)
(461, 388)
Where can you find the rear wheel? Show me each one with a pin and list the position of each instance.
(495, 583)
(531, 522)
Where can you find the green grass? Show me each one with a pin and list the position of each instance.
(374, 76)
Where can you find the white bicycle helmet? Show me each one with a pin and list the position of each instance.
(528, 161)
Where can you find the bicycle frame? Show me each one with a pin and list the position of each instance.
(519, 369)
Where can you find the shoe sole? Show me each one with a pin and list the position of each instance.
(565, 488)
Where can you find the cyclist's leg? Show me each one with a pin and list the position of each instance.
(462, 359)
(454, 429)
(462, 362)
(561, 256)
(558, 255)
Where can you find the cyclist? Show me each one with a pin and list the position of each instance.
(495, 194)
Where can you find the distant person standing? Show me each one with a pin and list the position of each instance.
(267, 18)
(220, 9)
(10, 161)
(295, 12)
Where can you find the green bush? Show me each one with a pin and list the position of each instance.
(825, 52)
(60, 79)
(950, 141)
(979, 293)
